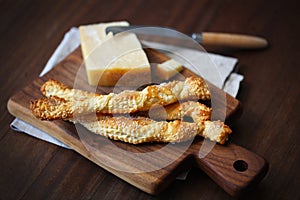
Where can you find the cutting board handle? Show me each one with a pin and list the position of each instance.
(232, 167)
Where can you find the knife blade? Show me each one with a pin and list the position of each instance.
(227, 40)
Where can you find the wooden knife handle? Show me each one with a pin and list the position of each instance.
(232, 167)
(233, 40)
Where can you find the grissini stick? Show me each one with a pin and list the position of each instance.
(141, 130)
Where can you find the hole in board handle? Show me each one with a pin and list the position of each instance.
(240, 165)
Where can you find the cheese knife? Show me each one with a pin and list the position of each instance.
(228, 40)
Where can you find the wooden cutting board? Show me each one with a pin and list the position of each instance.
(149, 167)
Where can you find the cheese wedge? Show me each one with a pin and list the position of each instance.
(168, 69)
(111, 60)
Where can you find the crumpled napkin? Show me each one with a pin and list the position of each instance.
(229, 81)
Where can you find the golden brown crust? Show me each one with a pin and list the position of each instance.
(50, 108)
(52, 83)
(55, 88)
(195, 110)
(140, 130)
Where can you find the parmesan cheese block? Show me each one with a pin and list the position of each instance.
(168, 69)
(111, 60)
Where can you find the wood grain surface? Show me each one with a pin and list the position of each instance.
(269, 126)
(149, 167)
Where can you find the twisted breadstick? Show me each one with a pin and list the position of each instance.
(140, 130)
(54, 108)
(130, 101)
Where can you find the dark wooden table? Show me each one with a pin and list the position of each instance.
(31, 30)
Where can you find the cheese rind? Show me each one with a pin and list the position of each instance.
(168, 69)
(111, 60)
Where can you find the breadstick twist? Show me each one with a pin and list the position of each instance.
(130, 101)
(140, 130)
(54, 108)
